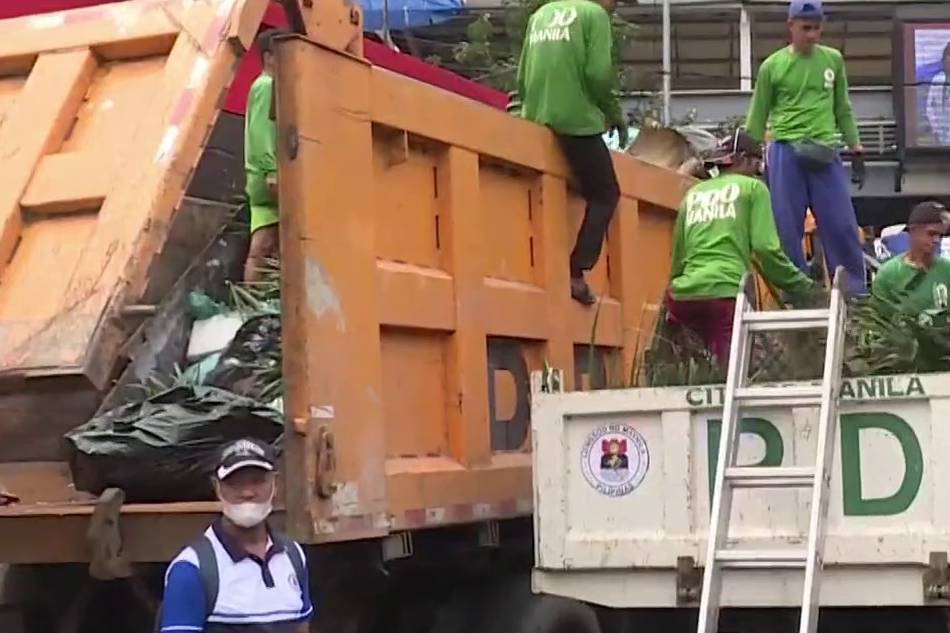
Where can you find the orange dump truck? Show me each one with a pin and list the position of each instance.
(425, 243)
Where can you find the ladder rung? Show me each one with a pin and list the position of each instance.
(770, 476)
(760, 559)
(800, 395)
(771, 320)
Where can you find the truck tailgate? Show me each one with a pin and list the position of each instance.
(103, 114)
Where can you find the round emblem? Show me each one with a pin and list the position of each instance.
(829, 78)
(615, 459)
(940, 297)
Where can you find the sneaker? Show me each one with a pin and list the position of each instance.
(581, 293)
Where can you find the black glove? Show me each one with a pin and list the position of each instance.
(858, 171)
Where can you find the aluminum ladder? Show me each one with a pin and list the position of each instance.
(730, 476)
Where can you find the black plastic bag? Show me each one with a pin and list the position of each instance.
(251, 363)
(165, 448)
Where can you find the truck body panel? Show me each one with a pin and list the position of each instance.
(425, 242)
(631, 537)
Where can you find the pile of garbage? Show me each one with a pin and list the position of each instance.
(163, 446)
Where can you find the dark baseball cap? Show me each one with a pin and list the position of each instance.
(739, 143)
(245, 453)
(929, 212)
(805, 10)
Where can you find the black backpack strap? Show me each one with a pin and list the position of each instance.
(296, 560)
(208, 568)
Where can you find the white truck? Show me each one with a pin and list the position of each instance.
(634, 537)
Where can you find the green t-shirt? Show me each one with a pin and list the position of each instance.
(804, 97)
(911, 289)
(723, 225)
(260, 131)
(566, 77)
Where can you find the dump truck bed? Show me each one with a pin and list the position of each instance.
(425, 242)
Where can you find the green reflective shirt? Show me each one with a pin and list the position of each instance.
(804, 97)
(566, 78)
(911, 289)
(260, 131)
(723, 225)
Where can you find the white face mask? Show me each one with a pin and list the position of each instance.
(248, 514)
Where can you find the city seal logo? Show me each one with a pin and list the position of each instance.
(615, 459)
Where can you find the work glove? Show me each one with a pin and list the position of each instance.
(623, 134)
(858, 171)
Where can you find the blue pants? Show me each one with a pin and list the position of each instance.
(795, 189)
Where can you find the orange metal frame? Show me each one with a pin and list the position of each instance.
(103, 111)
(414, 226)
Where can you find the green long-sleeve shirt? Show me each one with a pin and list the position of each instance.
(260, 131)
(912, 289)
(566, 78)
(804, 97)
(723, 225)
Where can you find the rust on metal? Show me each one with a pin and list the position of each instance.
(109, 560)
(689, 581)
(936, 579)
(326, 463)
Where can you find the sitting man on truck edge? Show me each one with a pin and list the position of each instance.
(918, 281)
(240, 574)
(260, 161)
(802, 90)
(566, 81)
(722, 225)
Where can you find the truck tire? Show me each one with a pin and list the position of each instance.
(550, 614)
(510, 607)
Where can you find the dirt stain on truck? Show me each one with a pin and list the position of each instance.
(321, 296)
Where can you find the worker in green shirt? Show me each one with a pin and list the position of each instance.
(917, 282)
(723, 225)
(802, 90)
(260, 161)
(566, 81)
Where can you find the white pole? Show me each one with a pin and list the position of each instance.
(387, 37)
(745, 51)
(667, 63)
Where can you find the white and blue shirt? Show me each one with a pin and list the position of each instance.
(254, 595)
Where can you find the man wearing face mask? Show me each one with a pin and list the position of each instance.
(240, 574)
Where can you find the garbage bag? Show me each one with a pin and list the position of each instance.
(251, 364)
(213, 335)
(201, 306)
(165, 448)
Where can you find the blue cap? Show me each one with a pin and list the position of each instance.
(805, 10)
